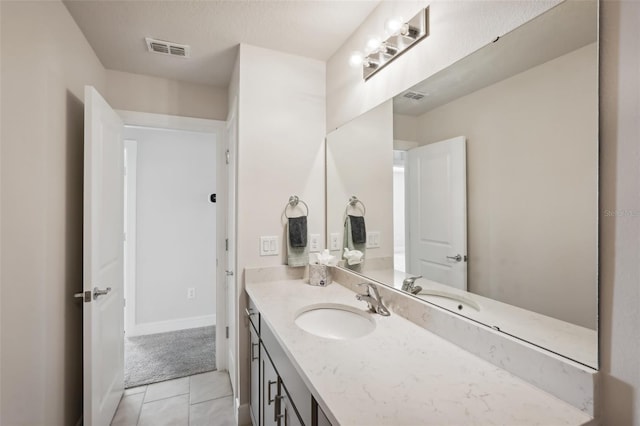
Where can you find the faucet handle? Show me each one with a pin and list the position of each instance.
(408, 283)
(370, 287)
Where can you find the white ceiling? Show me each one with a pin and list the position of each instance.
(213, 28)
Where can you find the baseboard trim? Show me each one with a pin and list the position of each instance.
(244, 415)
(171, 325)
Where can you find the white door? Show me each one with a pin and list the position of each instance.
(230, 265)
(103, 344)
(436, 200)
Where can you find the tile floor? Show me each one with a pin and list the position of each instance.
(200, 400)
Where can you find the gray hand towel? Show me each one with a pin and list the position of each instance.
(358, 229)
(350, 244)
(296, 256)
(298, 231)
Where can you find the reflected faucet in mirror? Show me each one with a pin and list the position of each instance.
(409, 285)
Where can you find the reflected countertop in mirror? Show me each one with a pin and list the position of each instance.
(483, 179)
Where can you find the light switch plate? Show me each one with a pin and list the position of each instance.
(334, 244)
(373, 239)
(269, 246)
(314, 243)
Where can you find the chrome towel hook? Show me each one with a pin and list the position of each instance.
(353, 202)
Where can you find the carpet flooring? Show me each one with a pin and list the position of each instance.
(163, 356)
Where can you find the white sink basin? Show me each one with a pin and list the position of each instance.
(335, 321)
(449, 300)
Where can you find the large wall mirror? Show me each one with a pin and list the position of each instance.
(482, 181)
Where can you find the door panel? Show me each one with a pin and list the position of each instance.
(254, 401)
(103, 320)
(269, 389)
(436, 212)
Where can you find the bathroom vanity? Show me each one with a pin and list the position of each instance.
(397, 374)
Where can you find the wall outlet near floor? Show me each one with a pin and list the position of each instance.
(191, 293)
(314, 243)
(373, 239)
(269, 246)
(334, 244)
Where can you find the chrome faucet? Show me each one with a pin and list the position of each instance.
(408, 285)
(373, 299)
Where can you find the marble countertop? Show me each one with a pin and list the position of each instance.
(570, 340)
(400, 374)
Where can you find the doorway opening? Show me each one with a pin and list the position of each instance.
(171, 248)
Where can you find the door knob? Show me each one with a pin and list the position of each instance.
(457, 257)
(97, 292)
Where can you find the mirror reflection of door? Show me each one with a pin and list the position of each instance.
(436, 212)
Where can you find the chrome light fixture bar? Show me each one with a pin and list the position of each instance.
(404, 36)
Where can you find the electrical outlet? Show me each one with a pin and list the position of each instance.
(191, 293)
(314, 243)
(335, 241)
(269, 246)
(373, 239)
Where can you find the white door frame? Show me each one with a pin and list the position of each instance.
(133, 118)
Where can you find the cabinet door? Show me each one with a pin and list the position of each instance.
(270, 388)
(254, 401)
(288, 412)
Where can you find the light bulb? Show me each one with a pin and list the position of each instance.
(356, 59)
(394, 25)
(373, 44)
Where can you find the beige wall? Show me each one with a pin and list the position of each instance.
(46, 62)
(456, 29)
(136, 92)
(619, 189)
(280, 153)
(360, 162)
(532, 162)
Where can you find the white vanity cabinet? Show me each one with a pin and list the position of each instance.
(279, 397)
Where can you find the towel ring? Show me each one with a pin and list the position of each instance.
(294, 200)
(353, 202)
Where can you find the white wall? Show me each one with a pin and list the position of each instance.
(175, 229)
(532, 172)
(46, 62)
(280, 153)
(360, 163)
(136, 92)
(456, 29)
(619, 189)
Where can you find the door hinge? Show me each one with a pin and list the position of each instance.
(226, 330)
(227, 156)
(226, 244)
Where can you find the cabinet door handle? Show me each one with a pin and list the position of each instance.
(276, 416)
(253, 345)
(285, 416)
(269, 399)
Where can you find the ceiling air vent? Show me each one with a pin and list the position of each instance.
(168, 48)
(414, 95)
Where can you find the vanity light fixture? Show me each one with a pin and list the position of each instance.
(401, 36)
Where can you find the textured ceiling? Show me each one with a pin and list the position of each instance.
(116, 31)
